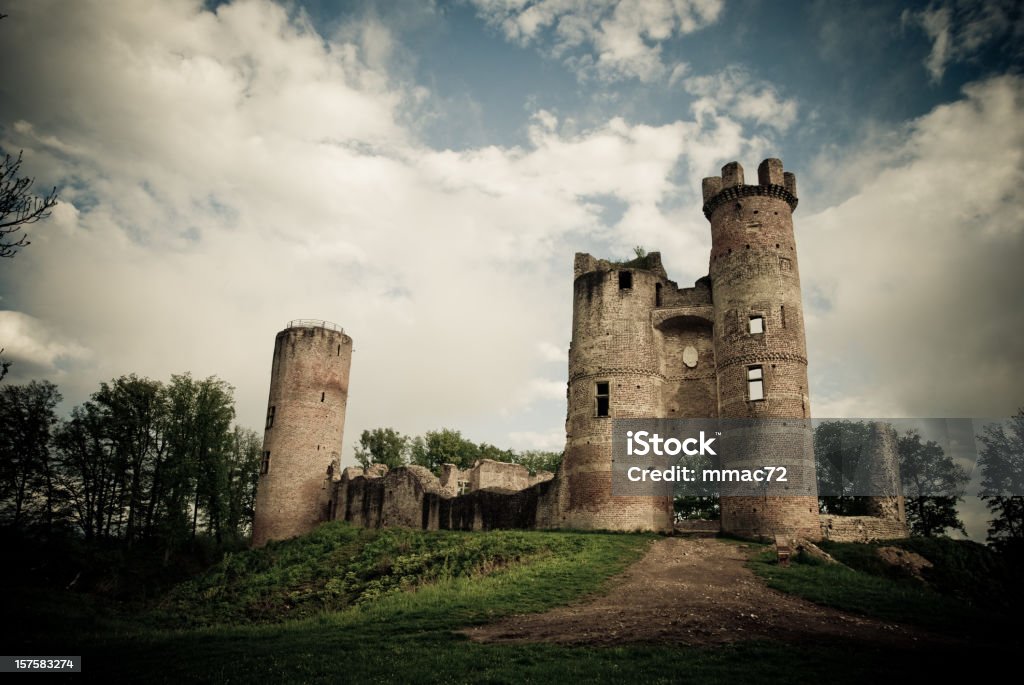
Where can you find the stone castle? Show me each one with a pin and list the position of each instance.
(730, 347)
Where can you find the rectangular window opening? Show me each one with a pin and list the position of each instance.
(782, 315)
(602, 398)
(463, 487)
(625, 280)
(265, 464)
(322, 396)
(339, 350)
(657, 294)
(756, 325)
(270, 416)
(755, 383)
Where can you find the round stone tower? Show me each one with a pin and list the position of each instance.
(614, 372)
(305, 424)
(760, 350)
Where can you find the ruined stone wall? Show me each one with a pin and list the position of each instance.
(861, 528)
(412, 497)
(878, 473)
(658, 350)
(304, 428)
(754, 274)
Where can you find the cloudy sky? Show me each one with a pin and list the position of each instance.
(422, 173)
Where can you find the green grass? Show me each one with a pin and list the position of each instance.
(863, 584)
(386, 606)
(338, 566)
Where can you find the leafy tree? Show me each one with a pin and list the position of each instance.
(132, 408)
(382, 446)
(692, 507)
(243, 464)
(487, 451)
(537, 460)
(86, 472)
(215, 410)
(445, 446)
(925, 468)
(28, 492)
(1002, 463)
(838, 446)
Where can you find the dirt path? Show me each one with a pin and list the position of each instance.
(693, 591)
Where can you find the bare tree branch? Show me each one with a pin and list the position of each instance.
(18, 206)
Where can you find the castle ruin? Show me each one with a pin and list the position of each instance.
(304, 429)
(730, 347)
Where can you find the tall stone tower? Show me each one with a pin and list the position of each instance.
(614, 372)
(760, 350)
(304, 429)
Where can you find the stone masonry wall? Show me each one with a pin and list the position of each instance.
(754, 274)
(304, 428)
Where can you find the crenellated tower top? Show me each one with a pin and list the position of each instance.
(772, 181)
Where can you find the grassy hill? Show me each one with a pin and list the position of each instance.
(345, 604)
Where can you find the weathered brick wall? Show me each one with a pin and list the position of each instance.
(412, 497)
(754, 272)
(308, 395)
(616, 340)
(878, 474)
(685, 335)
(861, 528)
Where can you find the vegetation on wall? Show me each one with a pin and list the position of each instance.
(445, 446)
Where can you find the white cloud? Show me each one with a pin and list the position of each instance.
(913, 282)
(227, 172)
(609, 39)
(957, 29)
(29, 341)
(734, 92)
(551, 353)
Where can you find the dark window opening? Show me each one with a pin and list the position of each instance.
(625, 280)
(270, 416)
(322, 396)
(755, 383)
(657, 294)
(339, 346)
(782, 315)
(602, 398)
(265, 464)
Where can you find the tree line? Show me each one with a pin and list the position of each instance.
(446, 446)
(140, 460)
(925, 469)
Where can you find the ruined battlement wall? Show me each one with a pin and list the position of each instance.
(413, 497)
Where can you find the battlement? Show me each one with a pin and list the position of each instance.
(586, 263)
(314, 323)
(772, 181)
